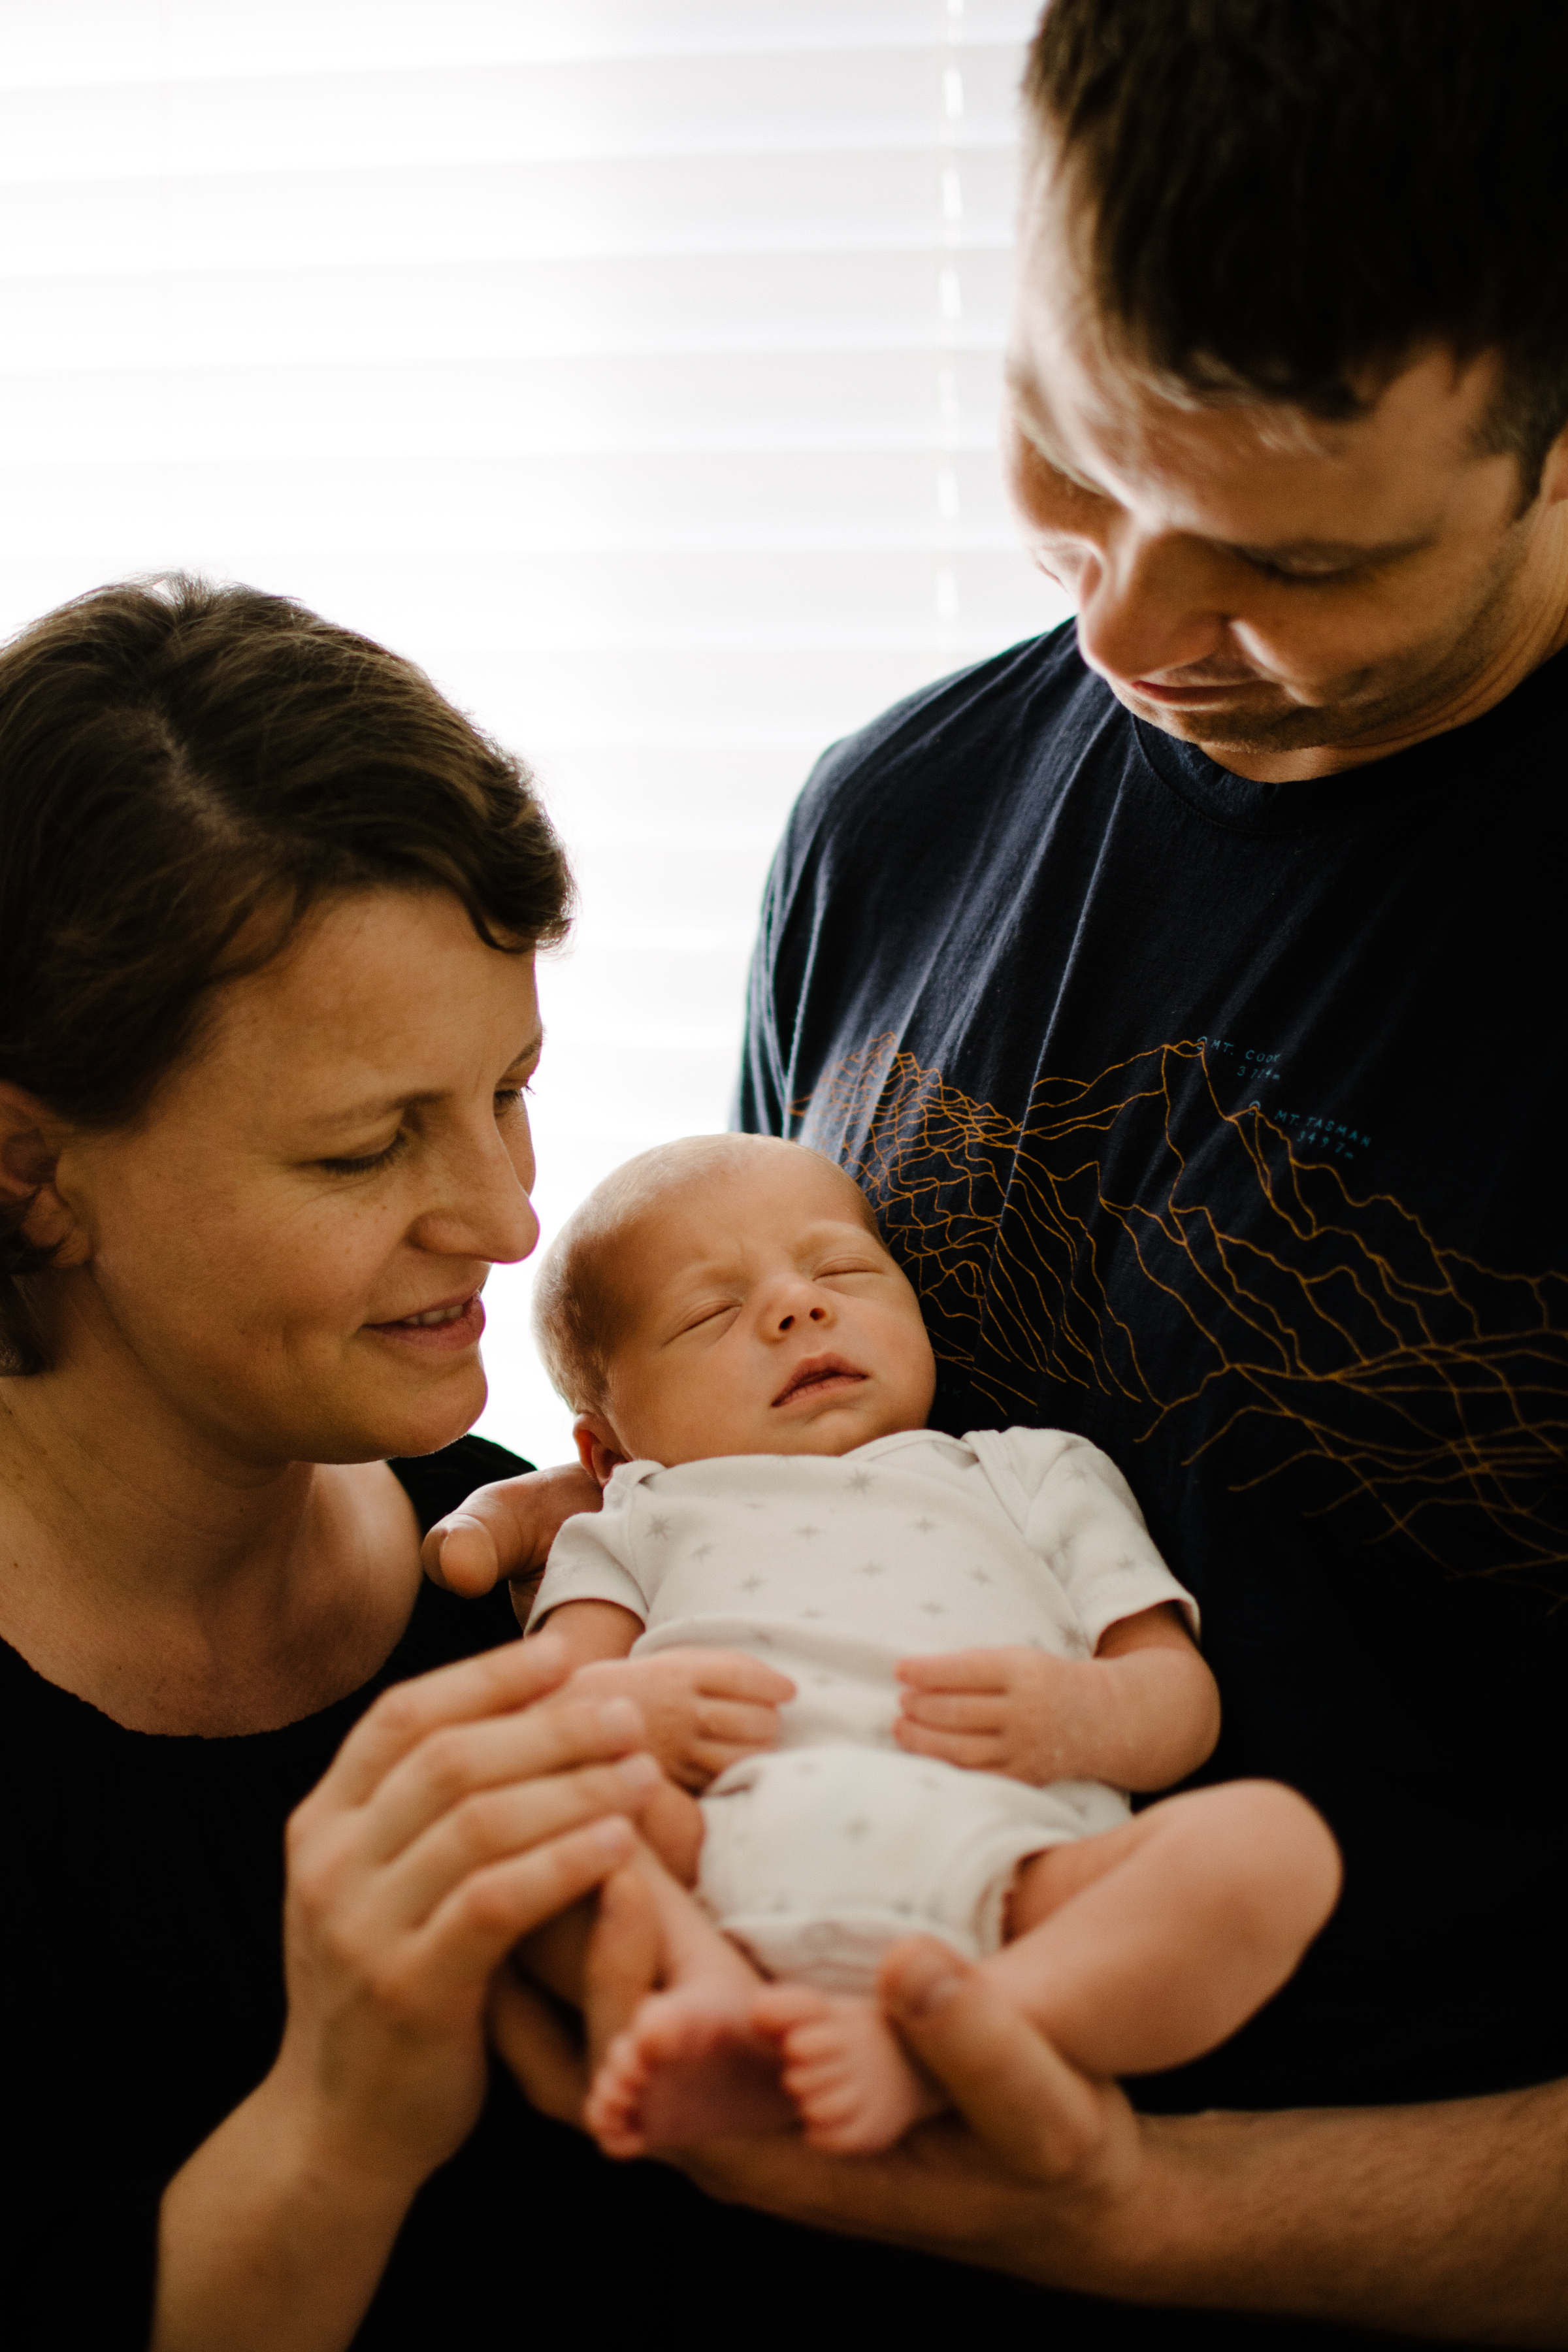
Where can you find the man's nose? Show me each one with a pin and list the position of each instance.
(1147, 605)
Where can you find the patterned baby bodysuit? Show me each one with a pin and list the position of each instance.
(820, 1853)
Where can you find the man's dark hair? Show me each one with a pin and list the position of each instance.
(185, 771)
(1289, 198)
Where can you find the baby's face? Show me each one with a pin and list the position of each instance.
(767, 1319)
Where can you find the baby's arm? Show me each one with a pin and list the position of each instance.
(704, 1708)
(1142, 1714)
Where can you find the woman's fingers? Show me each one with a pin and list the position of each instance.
(498, 1682)
(457, 1761)
(489, 1910)
(1044, 2119)
(496, 1825)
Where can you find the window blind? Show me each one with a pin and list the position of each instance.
(633, 364)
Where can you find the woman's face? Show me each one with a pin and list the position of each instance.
(288, 1250)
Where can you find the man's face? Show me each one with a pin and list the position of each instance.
(1293, 595)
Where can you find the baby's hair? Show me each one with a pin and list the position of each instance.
(579, 1307)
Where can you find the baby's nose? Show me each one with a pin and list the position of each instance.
(811, 1315)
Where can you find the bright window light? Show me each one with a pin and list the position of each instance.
(632, 364)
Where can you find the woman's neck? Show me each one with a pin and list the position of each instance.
(180, 1590)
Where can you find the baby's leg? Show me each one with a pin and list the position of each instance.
(1136, 1949)
(1146, 1946)
(691, 2064)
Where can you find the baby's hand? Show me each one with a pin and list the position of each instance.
(1010, 1711)
(506, 1530)
(704, 1709)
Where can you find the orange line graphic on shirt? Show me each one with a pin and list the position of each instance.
(1332, 1327)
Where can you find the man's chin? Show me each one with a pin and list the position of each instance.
(1217, 728)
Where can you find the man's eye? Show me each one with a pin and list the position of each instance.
(1293, 578)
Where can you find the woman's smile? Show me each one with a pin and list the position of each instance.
(437, 1331)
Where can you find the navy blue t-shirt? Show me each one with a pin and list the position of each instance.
(1222, 1123)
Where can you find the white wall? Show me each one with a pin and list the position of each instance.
(631, 363)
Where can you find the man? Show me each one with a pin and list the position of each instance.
(1182, 993)
(1180, 987)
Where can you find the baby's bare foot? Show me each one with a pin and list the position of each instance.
(690, 2066)
(854, 2086)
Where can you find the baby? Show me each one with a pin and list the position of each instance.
(915, 1675)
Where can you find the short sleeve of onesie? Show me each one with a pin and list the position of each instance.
(1078, 1512)
(592, 1558)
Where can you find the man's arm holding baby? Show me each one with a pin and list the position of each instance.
(504, 1531)
(704, 1709)
(1140, 1714)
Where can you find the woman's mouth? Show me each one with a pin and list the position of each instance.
(443, 1329)
(817, 1376)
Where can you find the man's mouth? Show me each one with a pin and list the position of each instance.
(815, 1376)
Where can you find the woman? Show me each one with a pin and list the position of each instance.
(268, 914)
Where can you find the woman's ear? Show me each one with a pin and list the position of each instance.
(599, 1450)
(30, 1146)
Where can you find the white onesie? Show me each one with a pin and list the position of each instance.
(820, 1853)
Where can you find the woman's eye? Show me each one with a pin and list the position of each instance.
(371, 1159)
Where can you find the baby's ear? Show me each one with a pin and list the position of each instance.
(599, 1450)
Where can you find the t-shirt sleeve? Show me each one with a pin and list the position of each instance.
(1078, 1513)
(591, 1560)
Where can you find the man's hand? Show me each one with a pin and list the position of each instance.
(504, 1532)
(1014, 1711)
(1442, 2221)
(702, 1709)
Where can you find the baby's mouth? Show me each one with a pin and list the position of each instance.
(815, 1375)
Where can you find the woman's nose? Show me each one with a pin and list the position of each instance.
(487, 1213)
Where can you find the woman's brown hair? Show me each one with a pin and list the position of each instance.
(185, 771)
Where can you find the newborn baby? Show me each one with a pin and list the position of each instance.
(915, 1675)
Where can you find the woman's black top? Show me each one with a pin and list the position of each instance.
(142, 1987)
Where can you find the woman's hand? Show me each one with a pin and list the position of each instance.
(466, 1808)
(503, 1532)
(702, 1709)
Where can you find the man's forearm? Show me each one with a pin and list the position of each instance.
(1447, 2220)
